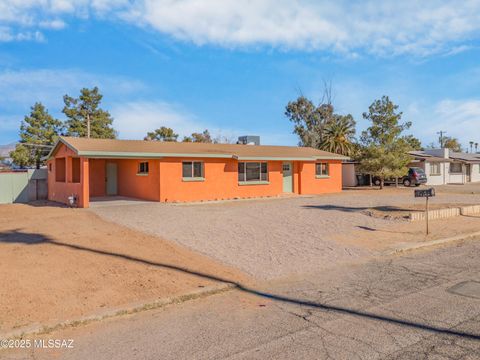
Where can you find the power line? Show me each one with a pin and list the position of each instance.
(441, 133)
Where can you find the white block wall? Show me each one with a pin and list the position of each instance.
(475, 172)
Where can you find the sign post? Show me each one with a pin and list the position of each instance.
(426, 193)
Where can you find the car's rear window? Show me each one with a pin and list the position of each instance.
(418, 170)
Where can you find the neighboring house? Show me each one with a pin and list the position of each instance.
(5, 160)
(443, 166)
(177, 172)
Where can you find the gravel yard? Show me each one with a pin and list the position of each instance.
(271, 238)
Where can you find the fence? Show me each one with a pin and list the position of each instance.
(22, 187)
(446, 213)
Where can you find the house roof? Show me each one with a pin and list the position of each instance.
(422, 156)
(107, 148)
(468, 157)
(453, 156)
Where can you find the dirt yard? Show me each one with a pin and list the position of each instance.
(59, 264)
(271, 238)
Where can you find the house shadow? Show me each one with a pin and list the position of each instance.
(32, 239)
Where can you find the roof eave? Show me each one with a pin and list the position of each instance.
(55, 146)
(146, 155)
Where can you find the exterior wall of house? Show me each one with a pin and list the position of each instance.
(436, 179)
(457, 178)
(59, 191)
(129, 182)
(349, 178)
(220, 181)
(142, 186)
(311, 185)
(475, 172)
(97, 177)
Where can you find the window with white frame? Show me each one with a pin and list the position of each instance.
(252, 171)
(456, 168)
(435, 168)
(321, 169)
(143, 168)
(192, 170)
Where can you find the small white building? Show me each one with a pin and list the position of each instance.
(443, 166)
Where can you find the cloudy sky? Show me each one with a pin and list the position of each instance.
(231, 66)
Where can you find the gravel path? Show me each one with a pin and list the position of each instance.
(272, 237)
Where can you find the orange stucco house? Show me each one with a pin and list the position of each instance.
(176, 172)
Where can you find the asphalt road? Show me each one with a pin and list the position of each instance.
(417, 306)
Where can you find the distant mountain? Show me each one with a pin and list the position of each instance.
(5, 149)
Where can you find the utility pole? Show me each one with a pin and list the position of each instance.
(88, 125)
(441, 133)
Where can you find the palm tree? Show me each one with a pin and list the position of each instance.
(471, 146)
(338, 135)
(476, 147)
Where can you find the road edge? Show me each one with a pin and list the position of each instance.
(133, 308)
(425, 244)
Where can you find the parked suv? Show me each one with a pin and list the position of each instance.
(416, 176)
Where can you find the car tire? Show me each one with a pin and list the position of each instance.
(407, 183)
(376, 182)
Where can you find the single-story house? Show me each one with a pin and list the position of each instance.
(179, 172)
(444, 166)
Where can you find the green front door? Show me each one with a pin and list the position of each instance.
(111, 179)
(287, 177)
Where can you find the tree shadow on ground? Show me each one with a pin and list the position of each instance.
(357, 208)
(20, 237)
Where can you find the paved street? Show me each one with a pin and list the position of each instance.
(420, 305)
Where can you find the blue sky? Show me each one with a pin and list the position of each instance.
(232, 66)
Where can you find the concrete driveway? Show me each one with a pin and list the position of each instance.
(271, 238)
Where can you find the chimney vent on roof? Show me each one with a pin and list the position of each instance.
(249, 140)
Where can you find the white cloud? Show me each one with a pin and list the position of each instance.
(389, 27)
(24, 87)
(19, 90)
(460, 118)
(134, 119)
(55, 24)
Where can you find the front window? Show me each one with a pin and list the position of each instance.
(252, 171)
(455, 168)
(192, 169)
(434, 168)
(321, 169)
(143, 167)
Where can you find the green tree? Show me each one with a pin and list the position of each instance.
(413, 142)
(38, 132)
(203, 137)
(85, 118)
(452, 144)
(319, 126)
(384, 150)
(309, 120)
(162, 134)
(338, 135)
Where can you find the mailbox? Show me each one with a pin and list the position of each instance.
(425, 193)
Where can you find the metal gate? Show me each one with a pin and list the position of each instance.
(24, 186)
